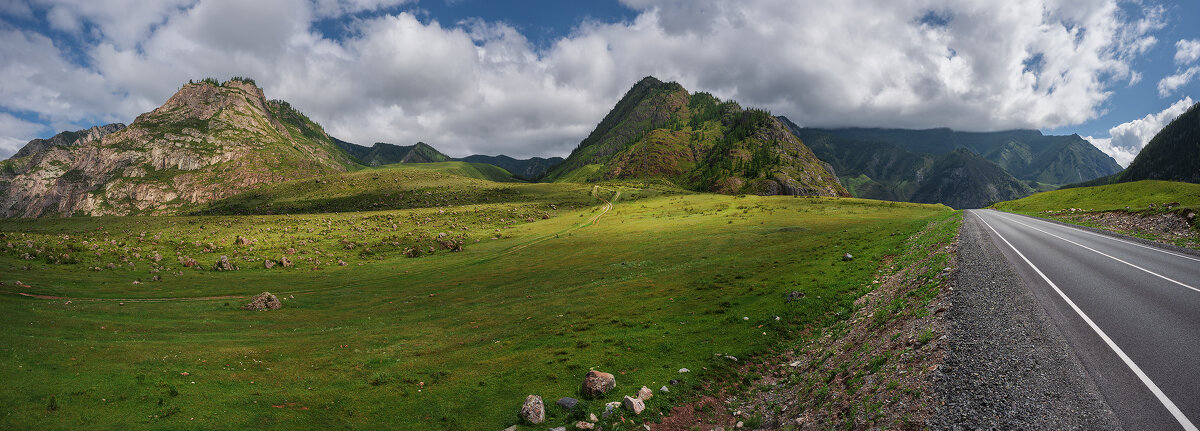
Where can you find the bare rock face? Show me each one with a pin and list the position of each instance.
(533, 411)
(597, 383)
(262, 302)
(209, 141)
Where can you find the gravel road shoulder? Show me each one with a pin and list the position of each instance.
(1007, 365)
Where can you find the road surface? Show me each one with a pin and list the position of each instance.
(1131, 312)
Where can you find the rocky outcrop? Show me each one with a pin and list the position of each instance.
(208, 141)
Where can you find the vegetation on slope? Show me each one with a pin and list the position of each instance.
(697, 142)
(385, 154)
(1172, 155)
(452, 340)
(531, 169)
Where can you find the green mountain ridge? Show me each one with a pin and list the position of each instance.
(936, 165)
(1172, 155)
(383, 153)
(660, 131)
(529, 169)
(208, 141)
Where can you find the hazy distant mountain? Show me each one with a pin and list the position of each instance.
(386, 154)
(660, 131)
(209, 140)
(531, 168)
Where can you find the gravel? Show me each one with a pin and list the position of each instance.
(1007, 365)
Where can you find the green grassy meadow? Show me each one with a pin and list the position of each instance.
(442, 340)
(1134, 196)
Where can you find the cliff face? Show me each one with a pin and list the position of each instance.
(206, 142)
(660, 131)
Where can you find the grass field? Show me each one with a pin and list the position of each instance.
(445, 340)
(1135, 196)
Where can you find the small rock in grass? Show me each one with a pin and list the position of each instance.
(847, 257)
(794, 295)
(533, 411)
(285, 262)
(597, 383)
(263, 301)
(223, 264)
(585, 425)
(664, 389)
(268, 264)
(645, 393)
(511, 428)
(558, 429)
(684, 370)
(635, 405)
(567, 403)
(592, 417)
(610, 408)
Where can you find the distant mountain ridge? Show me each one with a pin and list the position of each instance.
(209, 140)
(660, 131)
(914, 165)
(385, 154)
(529, 169)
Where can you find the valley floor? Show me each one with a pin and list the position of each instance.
(369, 337)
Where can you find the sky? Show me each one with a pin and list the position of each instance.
(533, 78)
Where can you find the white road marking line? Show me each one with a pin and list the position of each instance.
(1107, 255)
(1166, 402)
(1107, 237)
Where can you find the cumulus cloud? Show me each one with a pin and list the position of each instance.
(1169, 84)
(1187, 51)
(481, 87)
(17, 132)
(1127, 139)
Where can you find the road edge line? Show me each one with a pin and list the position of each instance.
(1166, 402)
(1075, 227)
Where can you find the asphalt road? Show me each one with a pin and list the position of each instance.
(1131, 312)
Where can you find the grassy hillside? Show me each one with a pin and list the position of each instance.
(399, 186)
(1136, 196)
(696, 141)
(482, 171)
(446, 340)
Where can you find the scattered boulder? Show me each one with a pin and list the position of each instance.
(1171, 205)
(241, 240)
(664, 389)
(533, 411)
(223, 264)
(794, 295)
(684, 370)
(567, 403)
(585, 425)
(847, 257)
(285, 262)
(558, 429)
(645, 393)
(187, 262)
(597, 383)
(635, 405)
(268, 263)
(263, 301)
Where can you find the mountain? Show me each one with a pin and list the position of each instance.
(209, 140)
(529, 169)
(660, 131)
(963, 179)
(915, 165)
(386, 154)
(1173, 154)
(1026, 154)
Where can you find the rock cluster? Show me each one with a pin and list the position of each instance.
(263, 301)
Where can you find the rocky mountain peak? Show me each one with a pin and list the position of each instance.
(67, 139)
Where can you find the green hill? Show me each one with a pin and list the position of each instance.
(660, 131)
(1133, 195)
(1172, 155)
(386, 154)
(526, 169)
(208, 141)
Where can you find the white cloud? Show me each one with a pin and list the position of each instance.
(1169, 84)
(17, 133)
(479, 87)
(1127, 139)
(1187, 51)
